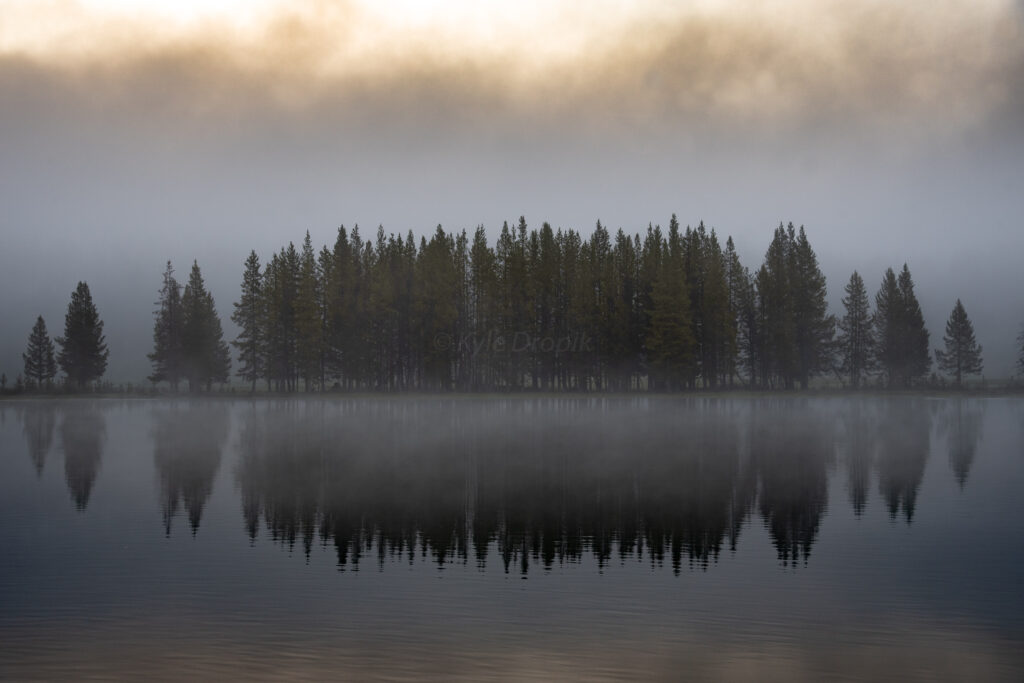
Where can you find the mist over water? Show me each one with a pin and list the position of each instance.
(592, 537)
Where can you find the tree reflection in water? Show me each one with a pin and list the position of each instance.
(188, 440)
(545, 482)
(82, 433)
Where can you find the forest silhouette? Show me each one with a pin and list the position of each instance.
(541, 311)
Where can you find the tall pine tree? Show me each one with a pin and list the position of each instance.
(672, 346)
(962, 355)
(814, 327)
(916, 357)
(83, 353)
(856, 337)
(901, 337)
(248, 315)
(40, 366)
(888, 323)
(167, 356)
(207, 357)
(308, 321)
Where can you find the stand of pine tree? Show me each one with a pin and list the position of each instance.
(541, 310)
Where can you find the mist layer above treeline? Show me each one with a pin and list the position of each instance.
(541, 310)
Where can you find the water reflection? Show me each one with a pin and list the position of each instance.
(82, 432)
(904, 442)
(547, 483)
(38, 424)
(731, 494)
(792, 456)
(188, 442)
(962, 421)
(857, 444)
(529, 483)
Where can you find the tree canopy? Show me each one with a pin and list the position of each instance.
(40, 363)
(83, 353)
(856, 340)
(901, 336)
(962, 355)
(541, 309)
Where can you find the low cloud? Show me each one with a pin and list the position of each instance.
(757, 69)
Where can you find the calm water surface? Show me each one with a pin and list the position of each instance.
(699, 538)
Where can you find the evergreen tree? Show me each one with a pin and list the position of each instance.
(483, 290)
(856, 338)
(167, 356)
(325, 272)
(339, 300)
(736, 280)
(917, 359)
(775, 294)
(280, 291)
(671, 342)
(207, 358)
(308, 319)
(813, 326)
(962, 355)
(248, 315)
(719, 325)
(750, 333)
(888, 323)
(436, 295)
(901, 337)
(40, 366)
(83, 353)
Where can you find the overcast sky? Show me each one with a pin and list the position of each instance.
(202, 129)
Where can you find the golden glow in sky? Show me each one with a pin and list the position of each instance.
(666, 60)
(535, 27)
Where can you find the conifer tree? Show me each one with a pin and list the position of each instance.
(40, 366)
(83, 353)
(248, 315)
(917, 359)
(718, 324)
(672, 345)
(750, 332)
(325, 272)
(483, 288)
(856, 338)
(340, 300)
(736, 279)
(888, 323)
(901, 337)
(962, 355)
(206, 355)
(435, 308)
(280, 291)
(167, 356)
(775, 294)
(814, 327)
(308, 323)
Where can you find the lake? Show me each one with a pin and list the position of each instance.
(764, 537)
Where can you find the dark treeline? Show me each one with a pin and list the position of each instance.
(540, 310)
(548, 310)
